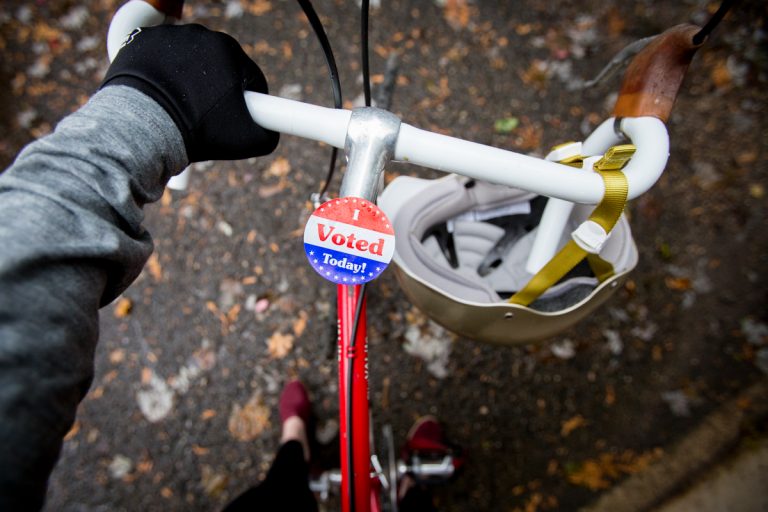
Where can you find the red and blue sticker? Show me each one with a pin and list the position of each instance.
(349, 241)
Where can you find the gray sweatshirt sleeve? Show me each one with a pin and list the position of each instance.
(71, 240)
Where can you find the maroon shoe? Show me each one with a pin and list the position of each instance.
(426, 440)
(294, 401)
(426, 435)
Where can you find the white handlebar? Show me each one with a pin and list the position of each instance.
(133, 14)
(442, 152)
(478, 161)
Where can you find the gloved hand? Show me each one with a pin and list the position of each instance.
(198, 76)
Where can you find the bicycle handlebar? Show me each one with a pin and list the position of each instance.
(451, 154)
(443, 152)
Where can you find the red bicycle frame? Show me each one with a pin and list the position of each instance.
(354, 411)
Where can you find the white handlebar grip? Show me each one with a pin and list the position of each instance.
(130, 16)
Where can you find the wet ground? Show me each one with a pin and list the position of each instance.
(182, 413)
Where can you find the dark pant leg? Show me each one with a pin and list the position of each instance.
(286, 487)
(417, 499)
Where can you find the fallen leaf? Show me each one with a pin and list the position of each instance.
(572, 424)
(166, 492)
(233, 313)
(154, 267)
(123, 307)
(72, 431)
(300, 324)
(167, 198)
(117, 356)
(199, 450)
(207, 414)
(279, 345)
(279, 168)
(145, 466)
(256, 7)
(268, 191)
(678, 283)
(721, 75)
(247, 422)
(600, 473)
(213, 482)
(457, 13)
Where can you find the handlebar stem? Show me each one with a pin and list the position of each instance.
(370, 144)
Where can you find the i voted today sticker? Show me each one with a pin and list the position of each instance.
(349, 240)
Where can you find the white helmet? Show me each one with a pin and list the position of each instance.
(461, 252)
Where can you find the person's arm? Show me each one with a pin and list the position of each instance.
(71, 237)
(70, 241)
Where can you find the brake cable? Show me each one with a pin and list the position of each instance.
(715, 20)
(317, 26)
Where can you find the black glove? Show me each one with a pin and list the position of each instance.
(198, 76)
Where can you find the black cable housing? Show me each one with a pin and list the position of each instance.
(317, 26)
(715, 20)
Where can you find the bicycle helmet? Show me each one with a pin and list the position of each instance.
(461, 251)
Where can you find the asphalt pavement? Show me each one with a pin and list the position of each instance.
(182, 414)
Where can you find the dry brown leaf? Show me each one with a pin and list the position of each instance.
(212, 481)
(167, 198)
(457, 13)
(300, 324)
(268, 191)
(154, 267)
(532, 504)
(199, 450)
(73, 431)
(721, 75)
(207, 414)
(528, 135)
(233, 313)
(212, 307)
(279, 344)
(144, 466)
(678, 283)
(572, 424)
(109, 377)
(287, 51)
(279, 168)
(117, 356)
(166, 492)
(123, 307)
(247, 422)
(590, 475)
(256, 7)
(599, 473)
